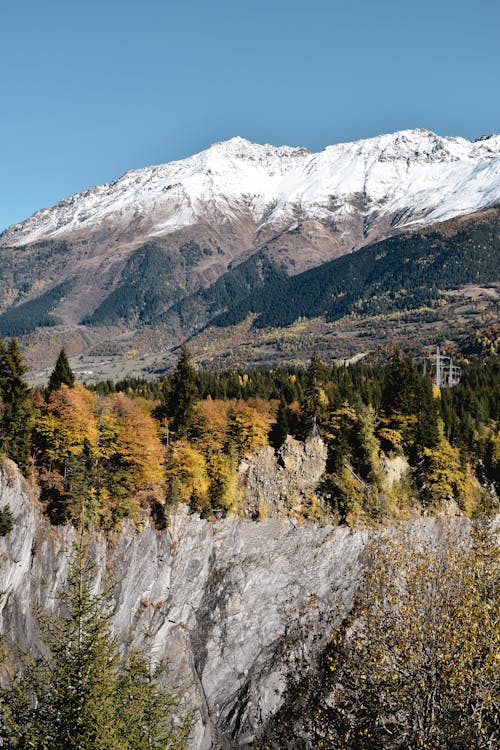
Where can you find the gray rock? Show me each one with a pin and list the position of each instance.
(219, 597)
(274, 484)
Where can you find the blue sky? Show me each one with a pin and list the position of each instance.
(91, 89)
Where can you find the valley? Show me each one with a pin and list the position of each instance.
(260, 255)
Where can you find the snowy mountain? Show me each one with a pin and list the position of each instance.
(412, 176)
(177, 244)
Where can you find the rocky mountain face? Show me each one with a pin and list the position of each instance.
(220, 598)
(128, 252)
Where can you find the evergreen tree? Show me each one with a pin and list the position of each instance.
(149, 709)
(281, 429)
(6, 521)
(16, 417)
(69, 698)
(77, 695)
(315, 402)
(62, 374)
(402, 386)
(79, 503)
(427, 427)
(182, 394)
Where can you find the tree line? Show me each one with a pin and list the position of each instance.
(135, 448)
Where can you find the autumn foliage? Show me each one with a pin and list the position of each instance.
(116, 441)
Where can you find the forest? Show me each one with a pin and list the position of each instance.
(413, 663)
(136, 448)
(400, 273)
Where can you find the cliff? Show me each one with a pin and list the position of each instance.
(220, 597)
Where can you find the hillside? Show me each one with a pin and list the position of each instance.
(400, 273)
(245, 564)
(125, 272)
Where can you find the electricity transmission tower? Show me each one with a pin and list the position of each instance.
(446, 374)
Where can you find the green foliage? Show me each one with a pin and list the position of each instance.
(442, 475)
(399, 273)
(104, 445)
(182, 393)
(69, 696)
(150, 713)
(6, 521)
(154, 278)
(16, 415)
(315, 402)
(37, 312)
(237, 283)
(62, 374)
(77, 694)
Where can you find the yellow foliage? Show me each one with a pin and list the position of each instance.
(444, 476)
(187, 475)
(248, 429)
(132, 433)
(263, 511)
(421, 645)
(67, 421)
(223, 477)
(208, 429)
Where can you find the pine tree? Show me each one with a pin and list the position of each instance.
(182, 394)
(149, 708)
(427, 428)
(16, 417)
(78, 695)
(281, 429)
(79, 500)
(62, 374)
(6, 521)
(315, 402)
(69, 698)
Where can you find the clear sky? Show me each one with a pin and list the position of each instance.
(89, 89)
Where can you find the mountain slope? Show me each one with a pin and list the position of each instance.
(177, 228)
(412, 175)
(398, 273)
(132, 268)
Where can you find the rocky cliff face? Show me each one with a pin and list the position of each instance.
(220, 598)
(277, 485)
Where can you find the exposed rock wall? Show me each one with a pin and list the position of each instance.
(277, 484)
(220, 598)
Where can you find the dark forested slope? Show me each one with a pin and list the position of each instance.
(402, 272)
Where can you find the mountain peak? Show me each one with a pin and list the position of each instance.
(412, 173)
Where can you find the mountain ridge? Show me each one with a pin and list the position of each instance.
(267, 174)
(171, 246)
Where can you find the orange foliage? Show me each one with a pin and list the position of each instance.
(208, 430)
(131, 433)
(67, 422)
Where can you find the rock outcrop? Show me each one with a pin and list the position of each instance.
(278, 484)
(220, 597)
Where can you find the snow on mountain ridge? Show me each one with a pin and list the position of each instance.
(429, 177)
